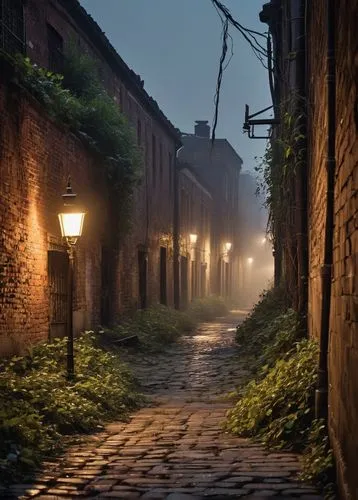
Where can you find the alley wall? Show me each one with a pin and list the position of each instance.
(343, 348)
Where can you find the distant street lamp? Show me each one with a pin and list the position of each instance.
(71, 223)
(193, 238)
(228, 246)
(250, 260)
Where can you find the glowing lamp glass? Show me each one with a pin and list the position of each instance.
(250, 260)
(193, 238)
(228, 246)
(71, 224)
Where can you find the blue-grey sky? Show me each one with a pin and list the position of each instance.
(175, 46)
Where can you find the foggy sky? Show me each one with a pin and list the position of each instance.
(175, 46)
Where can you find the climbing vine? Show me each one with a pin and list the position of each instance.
(78, 100)
(279, 171)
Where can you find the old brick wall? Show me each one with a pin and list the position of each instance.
(36, 158)
(152, 216)
(343, 348)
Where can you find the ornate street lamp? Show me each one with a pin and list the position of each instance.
(71, 223)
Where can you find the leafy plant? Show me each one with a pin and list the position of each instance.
(78, 100)
(317, 460)
(39, 405)
(272, 302)
(155, 326)
(207, 308)
(278, 408)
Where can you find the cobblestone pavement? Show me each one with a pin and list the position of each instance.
(175, 449)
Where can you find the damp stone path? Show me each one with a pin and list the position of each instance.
(176, 448)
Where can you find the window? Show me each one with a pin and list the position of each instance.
(170, 161)
(139, 132)
(55, 50)
(154, 159)
(161, 162)
(12, 36)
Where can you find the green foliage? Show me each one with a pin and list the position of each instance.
(207, 308)
(159, 325)
(155, 327)
(284, 157)
(78, 100)
(317, 460)
(39, 404)
(272, 303)
(269, 332)
(278, 408)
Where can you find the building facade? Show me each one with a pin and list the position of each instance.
(195, 213)
(219, 166)
(37, 155)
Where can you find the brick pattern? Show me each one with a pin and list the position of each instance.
(343, 349)
(176, 448)
(36, 157)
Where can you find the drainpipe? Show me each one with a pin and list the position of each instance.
(321, 400)
(176, 232)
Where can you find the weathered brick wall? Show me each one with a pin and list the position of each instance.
(343, 349)
(153, 201)
(317, 146)
(36, 158)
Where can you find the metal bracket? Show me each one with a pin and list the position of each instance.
(249, 124)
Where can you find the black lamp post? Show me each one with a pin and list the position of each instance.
(71, 222)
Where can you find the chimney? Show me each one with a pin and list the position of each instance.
(202, 129)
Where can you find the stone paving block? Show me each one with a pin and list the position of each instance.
(176, 448)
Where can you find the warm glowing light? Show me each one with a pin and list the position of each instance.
(228, 246)
(71, 224)
(263, 241)
(250, 260)
(193, 238)
(72, 217)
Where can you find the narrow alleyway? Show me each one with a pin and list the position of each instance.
(176, 448)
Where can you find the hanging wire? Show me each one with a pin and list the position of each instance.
(259, 49)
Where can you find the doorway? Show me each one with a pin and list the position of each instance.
(58, 288)
(163, 275)
(106, 277)
(143, 273)
(184, 282)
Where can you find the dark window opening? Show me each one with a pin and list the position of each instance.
(170, 161)
(203, 280)
(154, 159)
(219, 278)
(139, 132)
(143, 272)
(194, 279)
(12, 31)
(106, 279)
(227, 279)
(55, 50)
(184, 281)
(161, 162)
(163, 275)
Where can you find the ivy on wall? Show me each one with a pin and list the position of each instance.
(78, 100)
(278, 170)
